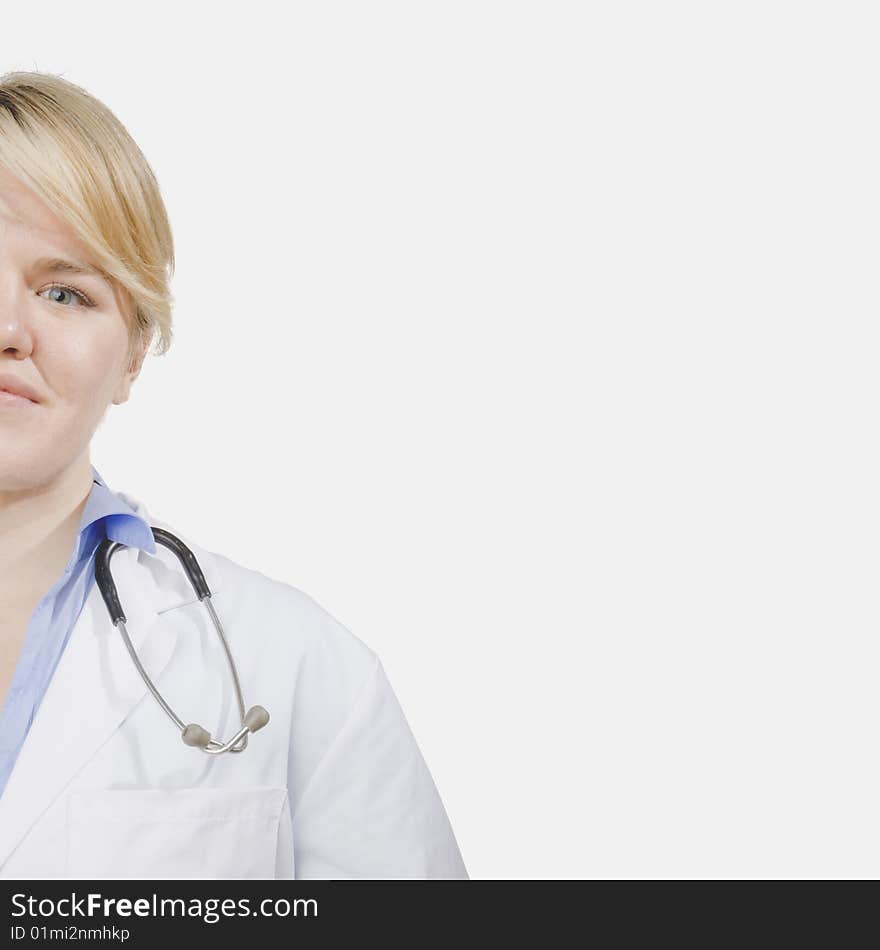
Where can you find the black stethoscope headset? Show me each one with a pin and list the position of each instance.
(192, 734)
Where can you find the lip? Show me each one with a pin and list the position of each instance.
(11, 399)
(10, 385)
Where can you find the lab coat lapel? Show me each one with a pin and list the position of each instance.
(95, 685)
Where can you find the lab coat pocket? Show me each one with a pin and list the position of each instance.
(205, 833)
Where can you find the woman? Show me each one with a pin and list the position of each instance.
(95, 781)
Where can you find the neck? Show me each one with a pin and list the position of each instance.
(38, 529)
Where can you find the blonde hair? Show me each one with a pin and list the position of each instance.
(79, 159)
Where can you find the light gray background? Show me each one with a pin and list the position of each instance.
(538, 342)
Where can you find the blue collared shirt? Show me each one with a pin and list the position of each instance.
(104, 514)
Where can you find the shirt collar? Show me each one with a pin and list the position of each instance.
(120, 521)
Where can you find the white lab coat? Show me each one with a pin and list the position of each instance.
(333, 787)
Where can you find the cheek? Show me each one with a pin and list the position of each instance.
(83, 371)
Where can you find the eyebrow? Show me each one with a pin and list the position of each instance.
(62, 266)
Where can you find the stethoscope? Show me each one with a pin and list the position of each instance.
(192, 734)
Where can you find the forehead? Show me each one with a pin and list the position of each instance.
(22, 213)
(6, 211)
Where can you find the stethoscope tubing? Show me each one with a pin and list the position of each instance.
(192, 733)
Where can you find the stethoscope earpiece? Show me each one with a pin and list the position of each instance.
(196, 735)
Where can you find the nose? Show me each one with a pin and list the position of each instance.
(16, 334)
(15, 337)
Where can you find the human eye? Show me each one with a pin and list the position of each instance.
(86, 301)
